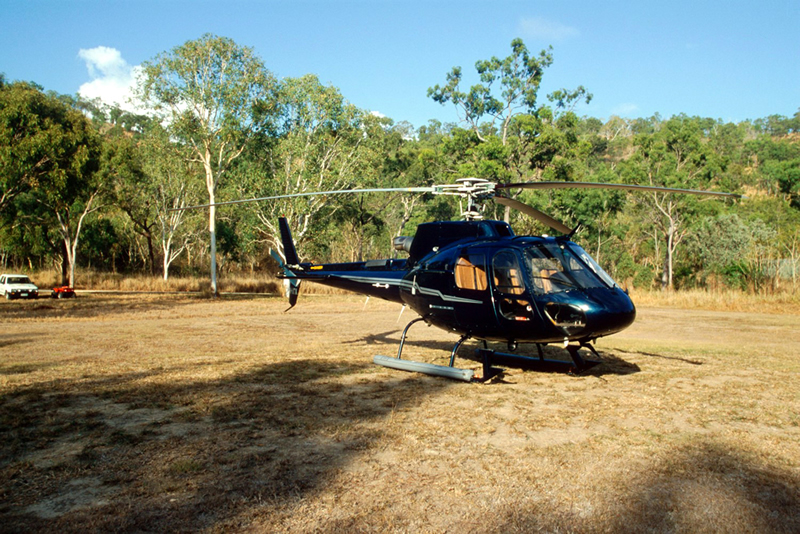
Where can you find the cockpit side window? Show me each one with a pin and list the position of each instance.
(578, 272)
(471, 272)
(507, 273)
(593, 265)
(556, 268)
(547, 271)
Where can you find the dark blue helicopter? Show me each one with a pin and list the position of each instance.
(476, 278)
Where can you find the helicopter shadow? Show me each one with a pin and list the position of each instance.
(662, 356)
(392, 338)
(556, 359)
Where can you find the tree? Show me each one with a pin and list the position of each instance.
(519, 77)
(519, 136)
(129, 187)
(674, 156)
(321, 145)
(215, 96)
(169, 185)
(52, 150)
(25, 153)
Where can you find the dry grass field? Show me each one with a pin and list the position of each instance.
(140, 413)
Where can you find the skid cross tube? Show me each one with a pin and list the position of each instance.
(456, 347)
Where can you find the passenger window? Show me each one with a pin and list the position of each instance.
(507, 273)
(471, 272)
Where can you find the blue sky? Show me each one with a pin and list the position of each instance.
(730, 60)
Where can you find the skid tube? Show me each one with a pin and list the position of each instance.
(422, 367)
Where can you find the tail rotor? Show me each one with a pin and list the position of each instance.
(291, 282)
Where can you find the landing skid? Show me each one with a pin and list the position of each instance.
(422, 367)
(426, 368)
(489, 358)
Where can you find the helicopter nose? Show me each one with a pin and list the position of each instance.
(611, 311)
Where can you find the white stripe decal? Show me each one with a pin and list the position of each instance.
(409, 286)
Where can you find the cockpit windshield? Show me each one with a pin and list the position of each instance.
(556, 267)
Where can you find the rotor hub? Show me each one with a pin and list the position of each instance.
(475, 190)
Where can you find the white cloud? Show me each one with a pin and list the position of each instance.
(549, 30)
(112, 78)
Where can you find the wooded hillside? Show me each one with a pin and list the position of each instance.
(89, 186)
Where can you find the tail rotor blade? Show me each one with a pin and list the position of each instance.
(291, 282)
(288, 243)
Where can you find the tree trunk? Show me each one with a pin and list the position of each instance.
(151, 253)
(64, 267)
(166, 247)
(666, 275)
(212, 236)
(72, 265)
(669, 256)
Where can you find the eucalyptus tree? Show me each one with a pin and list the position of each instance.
(171, 186)
(122, 168)
(213, 95)
(676, 155)
(363, 218)
(513, 136)
(27, 116)
(777, 162)
(50, 153)
(509, 87)
(518, 76)
(739, 251)
(321, 145)
(148, 176)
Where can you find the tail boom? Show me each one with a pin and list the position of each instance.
(375, 278)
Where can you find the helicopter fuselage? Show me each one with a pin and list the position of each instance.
(477, 279)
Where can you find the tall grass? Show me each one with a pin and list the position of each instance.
(227, 283)
(786, 301)
(238, 283)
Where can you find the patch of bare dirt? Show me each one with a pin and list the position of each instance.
(177, 413)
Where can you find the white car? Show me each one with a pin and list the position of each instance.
(18, 286)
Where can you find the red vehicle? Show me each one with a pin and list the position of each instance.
(63, 292)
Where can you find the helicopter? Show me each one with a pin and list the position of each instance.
(477, 279)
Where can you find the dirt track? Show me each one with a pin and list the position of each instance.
(175, 413)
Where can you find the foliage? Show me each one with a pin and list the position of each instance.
(49, 154)
(215, 96)
(322, 143)
(223, 121)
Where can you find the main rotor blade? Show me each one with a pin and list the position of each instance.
(533, 212)
(315, 193)
(629, 187)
